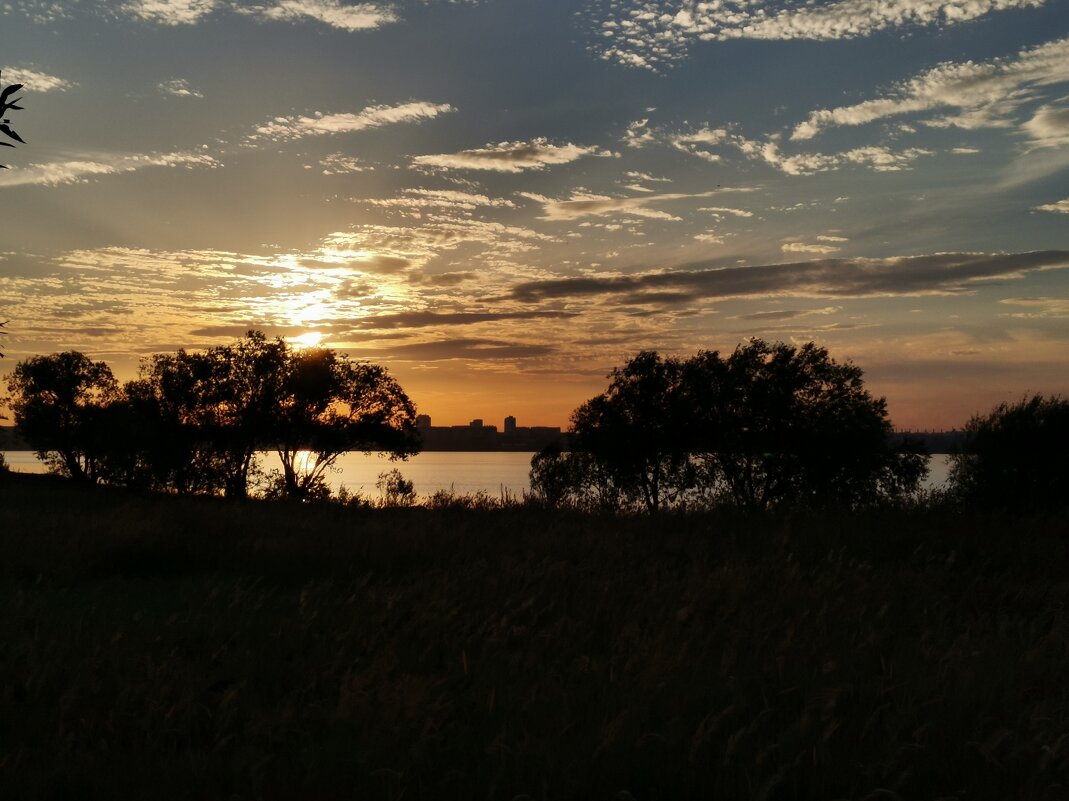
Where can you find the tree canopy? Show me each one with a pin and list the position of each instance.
(9, 103)
(1016, 456)
(197, 421)
(59, 402)
(768, 425)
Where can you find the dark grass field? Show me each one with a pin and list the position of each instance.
(167, 648)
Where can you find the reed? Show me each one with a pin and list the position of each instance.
(163, 647)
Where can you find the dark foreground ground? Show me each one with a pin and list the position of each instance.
(163, 648)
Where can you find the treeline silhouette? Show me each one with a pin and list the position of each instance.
(194, 422)
(773, 426)
(767, 426)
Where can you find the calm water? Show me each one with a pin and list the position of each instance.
(464, 472)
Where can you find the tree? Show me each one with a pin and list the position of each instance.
(774, 424)
(634, 430)
(241, 404)
(330, 405)
(8, 104)
(168, 420)
(573, 479)
(1016, 456)
(60, 403)
(770, 425)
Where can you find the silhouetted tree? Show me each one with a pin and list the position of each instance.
(330, 405)
(241, 404)
(1016, 456)
(59, 402)
(164, 442)
(573, 479)
(769, 425)
(7, 103)
(636, 432)
(774, 424)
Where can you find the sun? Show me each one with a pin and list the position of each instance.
(307, 340)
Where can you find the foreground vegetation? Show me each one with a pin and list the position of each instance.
(188, 647)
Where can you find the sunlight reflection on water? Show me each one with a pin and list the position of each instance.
(465, 472)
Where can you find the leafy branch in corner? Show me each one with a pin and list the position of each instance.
(6, 105)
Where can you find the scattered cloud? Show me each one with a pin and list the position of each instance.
(342, 164)
(82, 169)
(1049, 126)
(804, 247)
(442, 199)
(1037, 308)
(179, 87)
(536, 154)
(357, 17)
(788, 314)
(590, 205)
(424, 319)
(282, 129)
(939, 274)
(984, 94)
(466, 349)
(638, 133)
(645, 34)
(721, 210)
(35, 80)
(170, 12)
(696, 142)
(1057, 207)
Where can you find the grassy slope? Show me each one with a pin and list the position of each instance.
(189, 648)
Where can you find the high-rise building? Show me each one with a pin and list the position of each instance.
(510, 425)
(476, 423)
(423, 421)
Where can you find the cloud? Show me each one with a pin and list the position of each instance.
(645, 34)
(939, 274)
(467, 349)
(696, 142)
(341, 164)
(879, 158)
(170, 12)
(361, 16)
(720, 210)
(424, 319)
(638, 133)
(510, 156)
(82, 169)
(346, 17)
(179, 87)
(35, 80)
(1057, 207)
(282, 129)
(1049, 127)
(985, 94)
(583, 205)
(802, 247)
(443, 199)
(787, 314)
(1038, 308)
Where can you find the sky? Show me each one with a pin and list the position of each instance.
(502, 200)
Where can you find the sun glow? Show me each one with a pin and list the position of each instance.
(310, 339)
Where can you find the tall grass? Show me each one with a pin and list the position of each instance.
(163, 647)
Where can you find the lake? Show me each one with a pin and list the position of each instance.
(465, 472)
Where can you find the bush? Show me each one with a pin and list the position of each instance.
(1015, 457)
(396, 489)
